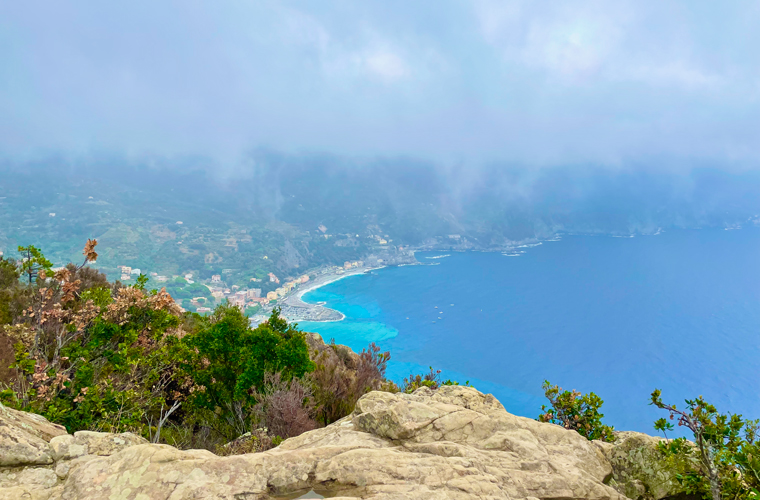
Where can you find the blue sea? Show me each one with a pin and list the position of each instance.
(679, 311)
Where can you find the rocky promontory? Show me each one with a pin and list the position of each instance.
(451, 443)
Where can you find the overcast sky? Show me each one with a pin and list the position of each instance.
(533, 83)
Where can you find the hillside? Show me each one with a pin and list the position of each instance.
(288, 214)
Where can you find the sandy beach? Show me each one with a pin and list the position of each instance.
(320, 281)
(295, 309)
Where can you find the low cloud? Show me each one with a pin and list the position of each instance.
(386, 65)
(533, 84)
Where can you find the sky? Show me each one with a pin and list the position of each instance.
(528, 83)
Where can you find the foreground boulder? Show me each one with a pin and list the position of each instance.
(24, 438)
(37, 456)
(453, 443)
(639, 469)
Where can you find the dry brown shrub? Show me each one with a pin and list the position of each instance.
(340, 380)
(285, 407)
(88, 277)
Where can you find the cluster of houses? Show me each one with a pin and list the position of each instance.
(248, 297)
(286, 288)
(127, 272)
(234, 295)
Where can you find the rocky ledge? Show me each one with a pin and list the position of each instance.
(453, 443)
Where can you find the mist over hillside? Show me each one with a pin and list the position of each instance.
(256, 125)
(301, 211)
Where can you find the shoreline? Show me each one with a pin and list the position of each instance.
(295, 309)
(319, 283)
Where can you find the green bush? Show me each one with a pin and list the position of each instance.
(431, 380)
(110, 375)
(98, 356)
(723, 461)
(575, 411)
(227, 361)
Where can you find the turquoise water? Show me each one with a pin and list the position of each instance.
(618, 316)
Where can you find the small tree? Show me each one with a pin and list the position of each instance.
(32, 262)
(227, 361)
(724, 461)
(575, 411)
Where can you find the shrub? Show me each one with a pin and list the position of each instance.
(93, 355)
(285, 408)
(575, 411)
(723, 461)
(338, 381)
(432, 380)
(252, 310)
(227, 362)
(97, 367)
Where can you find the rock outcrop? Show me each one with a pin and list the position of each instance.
(318, 347)
(639, 470)
(36, 456)
(453, 443)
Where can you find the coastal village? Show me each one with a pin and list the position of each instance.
(257, 288)
(251, 299)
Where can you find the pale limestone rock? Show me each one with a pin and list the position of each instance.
(20, 444)
(20, 448)
(639, 470)
(30, 482)
(105, 443)
(31, 423)
(453, 443)
(24, 438)
(64, 467)
(65, 447)
(26, 493)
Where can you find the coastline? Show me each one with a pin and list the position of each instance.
(295, 309)
(296, 298)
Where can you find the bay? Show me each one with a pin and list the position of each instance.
(679, 311)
